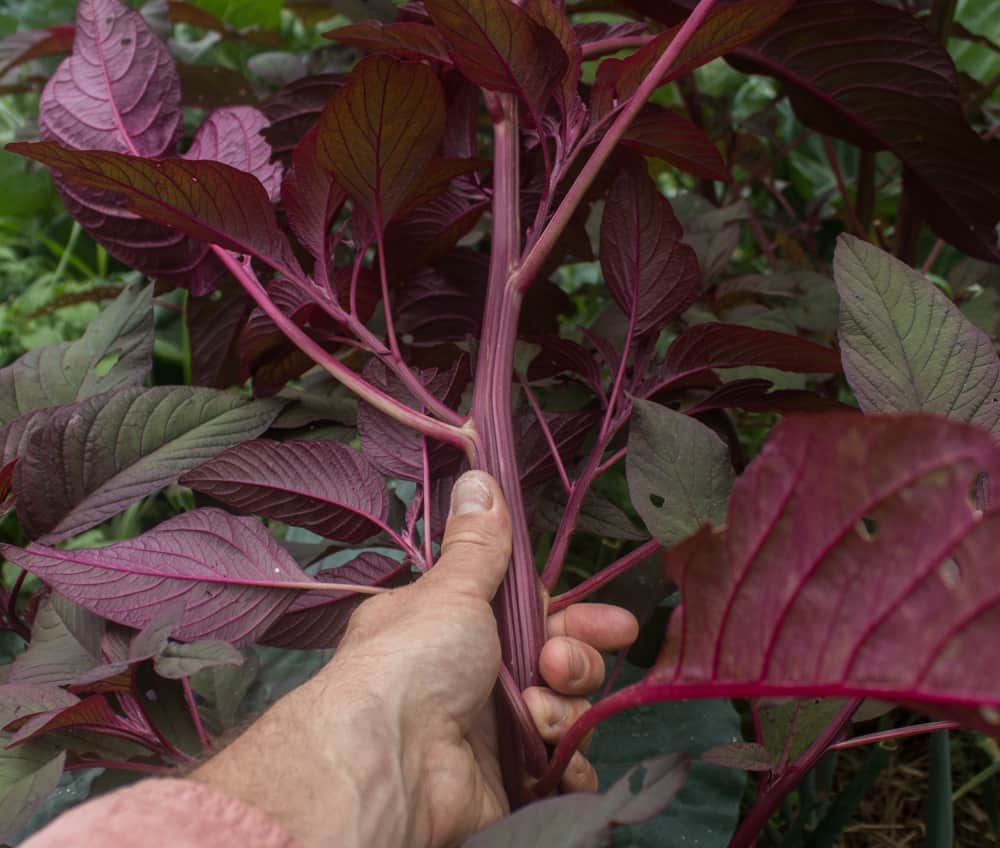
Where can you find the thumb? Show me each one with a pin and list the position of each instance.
(475, 552)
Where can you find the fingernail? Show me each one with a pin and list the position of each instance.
(471, 493)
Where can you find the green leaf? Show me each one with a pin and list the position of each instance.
(706, 810)
(906, 347)
(113, 450)
(679, 473)
(223, 688)
(241, 14)
(28, 774)
(57, 654)
(179, 660)
(115, 351)
(791, 726)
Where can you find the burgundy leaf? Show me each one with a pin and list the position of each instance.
(562, 356)
(394, 449)
(213, 86)
(214, 326)
(209, 201)
(234, 578)
(755, 395)
(430, 231)
(233, 136)
(726, 27)
(534, 457)
(92, 713)
(707, 346)
(499, 47)
(405, 40)
(877, 76)
(592, 31)
(22, 47)
(845, 513)
(88, 461)
(322, 486)
(661, 132)
(189, 13)
(436, 178)
(18, 700)
(551, 14)
(434, 307)
(118, 91)
(380, 131)
(294, 110)
(651, 274)
(7, 487)
(311, 198)
(316, 622)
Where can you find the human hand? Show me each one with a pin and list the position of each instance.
(401, 722)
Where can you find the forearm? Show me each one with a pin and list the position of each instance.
(341, 786)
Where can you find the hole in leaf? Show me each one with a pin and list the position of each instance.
(867, 528)
(656, 500)
(126, 42)
(106, 364)
(950, 573)
(979, 494)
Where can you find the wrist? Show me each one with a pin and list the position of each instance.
(324, 762)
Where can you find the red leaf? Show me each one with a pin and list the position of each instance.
(662, 133)
(323, 486)
(877, 76)
(707, 346)
(209, 201)
(293, 110)
(234, 578)
(726, 28)
(651, 274)
(380, 131)
(22, 47)
(404, 40)
(499, 47)
(853, 563)
(6, 487)
(430, 231)
(315, 622)
(311, 198)
(93, 713)
(213, 329)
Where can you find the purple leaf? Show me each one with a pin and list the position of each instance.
(322, 486)
(311, 199)
(380, 131)
(405, 40)
(879, 77)
(92, 713)
(754, 394)
(906, 346)
(233, 135)
(112, 450)
(294, 110)
(651, 274)
(318, 622)
(663, 133)
(395, 449)
(18, 700)
(434, 307)
(499, 47)
(209, 201)
(429, 232)
(845, 512)
(22, 47)
(592, 31)
(214, 325)
(213, 86)
(534, 457)
(233, 577)
(704, 347)
(118, 91)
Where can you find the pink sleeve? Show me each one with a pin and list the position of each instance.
(167, 812)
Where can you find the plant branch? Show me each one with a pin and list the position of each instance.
(767, 804)
(605, 576)
(192, 706)
(849, 212)
(546, 431)
(536, 256)
(596, 49)
(362, 388)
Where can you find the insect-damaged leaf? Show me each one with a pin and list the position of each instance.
(322, 486)
(109, 451)
(651, 274)
(209, 201)
(679, 472)
(234, 579)
(879, 77)
(846, 512)
(906, 347)
(499, 47)
(379, 132)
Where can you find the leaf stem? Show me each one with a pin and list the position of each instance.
(536, 256)
(605, 575)
(192, 706)
(849, 212)
(896, 733)
(362, 388)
